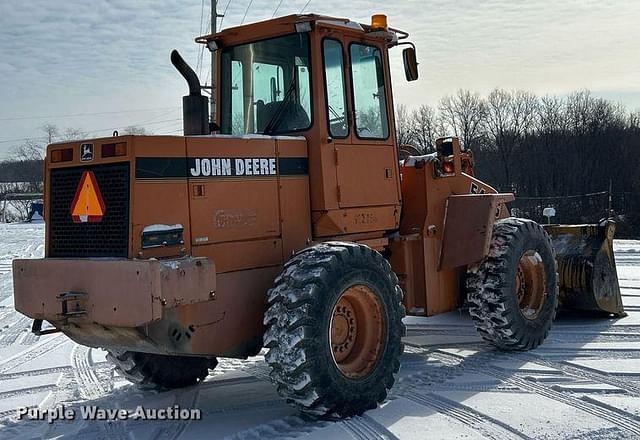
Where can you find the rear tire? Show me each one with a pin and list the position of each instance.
(334, 329)
(513, 293)
(160, 371)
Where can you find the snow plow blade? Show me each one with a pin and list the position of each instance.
(587, 276)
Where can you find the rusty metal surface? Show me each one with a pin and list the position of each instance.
(121, 293)
(588, 278)
(468, 226)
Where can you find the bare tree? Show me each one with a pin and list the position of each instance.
(72, 134)
(551, 115)
(51, 131)
(22, 208)
(510, 117)
(424, 127)
(134, 129)
(29, 150)
(464, 114)
(403, 125)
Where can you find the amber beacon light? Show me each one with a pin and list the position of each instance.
(379, 22)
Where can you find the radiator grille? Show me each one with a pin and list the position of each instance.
(107, 238)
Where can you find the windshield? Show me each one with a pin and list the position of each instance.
(266, 86)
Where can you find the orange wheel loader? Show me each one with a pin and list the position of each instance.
(289, 223)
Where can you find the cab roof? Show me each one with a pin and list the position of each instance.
(287, 24)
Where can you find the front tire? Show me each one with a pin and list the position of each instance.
(334, 329)
(513, 294)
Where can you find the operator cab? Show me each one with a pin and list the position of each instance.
(327, 79)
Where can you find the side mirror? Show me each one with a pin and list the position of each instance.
(410, 63)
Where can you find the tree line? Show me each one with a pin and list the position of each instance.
(563, 151)
(542, 148)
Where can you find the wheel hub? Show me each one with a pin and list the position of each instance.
(356, 331)
(343, 330)
(530, 284)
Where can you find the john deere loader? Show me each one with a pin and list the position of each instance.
(289, 223)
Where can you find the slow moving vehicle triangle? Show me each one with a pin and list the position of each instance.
(87, 205)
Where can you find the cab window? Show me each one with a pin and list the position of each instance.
(266, 86)
(334, 88)
(369, 98)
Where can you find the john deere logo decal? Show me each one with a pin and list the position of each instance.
(87, 205)
(86, 152)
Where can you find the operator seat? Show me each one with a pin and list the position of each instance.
(293, 117)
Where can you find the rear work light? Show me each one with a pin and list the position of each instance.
(62, 155)
(113, 150)
(154, 236)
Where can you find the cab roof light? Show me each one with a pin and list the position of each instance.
(379, 22)
(62, 155)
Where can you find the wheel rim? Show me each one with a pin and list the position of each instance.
(530, 284)
(355, 331)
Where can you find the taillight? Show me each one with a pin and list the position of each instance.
(113, 150)
(62, 155)
(448, 168)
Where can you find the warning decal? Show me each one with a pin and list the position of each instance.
(87, 205)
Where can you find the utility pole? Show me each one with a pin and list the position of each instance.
(214, 29)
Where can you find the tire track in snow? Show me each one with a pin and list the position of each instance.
(487, 426)
(365, 428)
(29, 390)
(185, 398)
(579, 372)
(419, 386)
(32, 353)
(14, 331)
(40, 372)
(289, 427)
(89, 386)
(30, 338)
(481, 363)
(11, 412)
(5, 268)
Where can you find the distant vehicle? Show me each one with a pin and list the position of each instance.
(36, 211)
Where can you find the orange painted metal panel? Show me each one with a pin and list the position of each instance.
(233, 210)
(355, 220)
(241, 255)
(367, 175)
(468, 226)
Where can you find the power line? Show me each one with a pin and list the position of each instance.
(277, 7)
(305, 6)
(75, 115)
(199, 49)
(90, 131)
(246, 11)
(132, 125)
(224, 13)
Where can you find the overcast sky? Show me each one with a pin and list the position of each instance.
(69, 57)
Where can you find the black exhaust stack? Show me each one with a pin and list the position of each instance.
(195, 107)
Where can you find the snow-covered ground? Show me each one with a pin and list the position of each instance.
(582, 383)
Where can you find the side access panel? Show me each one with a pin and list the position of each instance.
(234, 201)
(366, 175)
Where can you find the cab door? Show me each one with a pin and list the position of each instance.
(366, 159)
